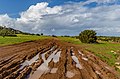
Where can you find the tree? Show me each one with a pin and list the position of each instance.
(41, 34)
(88, 36)
(3, 32)
(6, 32)
(38, 34)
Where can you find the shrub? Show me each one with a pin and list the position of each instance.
(54, 36)
(41, 34)
(88, 36)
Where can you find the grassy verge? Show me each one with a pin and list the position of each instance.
(102, 50)
(20, 38)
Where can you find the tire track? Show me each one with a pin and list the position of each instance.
(54, 60)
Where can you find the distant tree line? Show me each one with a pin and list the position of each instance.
(32, 34)
(4, 31)
(109, 38)
(8, 31)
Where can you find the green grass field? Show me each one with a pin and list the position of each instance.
(102, 47)
(70, 39)
(20, 38)
(104, 51)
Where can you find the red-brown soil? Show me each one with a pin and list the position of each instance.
(56, 60)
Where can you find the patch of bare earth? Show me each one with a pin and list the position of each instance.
(51, 59)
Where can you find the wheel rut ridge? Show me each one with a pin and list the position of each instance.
(30, 69)
(6, 61)
(71, 65)
(11, 65)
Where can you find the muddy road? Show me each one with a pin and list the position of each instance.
(51, 59)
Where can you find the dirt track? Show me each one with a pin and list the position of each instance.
(51, 59)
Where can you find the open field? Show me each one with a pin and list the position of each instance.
(51, 59)
(20, 38)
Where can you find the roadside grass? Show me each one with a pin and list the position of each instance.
(102, 49)
(20, 38)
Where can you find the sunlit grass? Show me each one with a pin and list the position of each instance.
(20, 38)
(70, 40)
(103, 51)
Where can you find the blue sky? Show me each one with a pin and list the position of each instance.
(14, 7)
(62, 17)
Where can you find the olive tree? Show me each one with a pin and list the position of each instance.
(88, 36)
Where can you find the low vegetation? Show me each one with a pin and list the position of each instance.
(109, 38)
(88, 36)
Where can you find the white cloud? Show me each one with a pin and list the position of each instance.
(102, 1)
(53, 30)
(33, 18)
(37, 11)
(5, 20)
(68, 19)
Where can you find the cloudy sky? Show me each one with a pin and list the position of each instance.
(62, 17)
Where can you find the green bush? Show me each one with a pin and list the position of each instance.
(88, 36)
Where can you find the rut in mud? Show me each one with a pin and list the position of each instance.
(51, 59)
